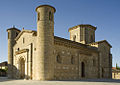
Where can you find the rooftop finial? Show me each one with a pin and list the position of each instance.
(23, 28)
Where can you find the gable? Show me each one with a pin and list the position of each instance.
(105, 42)
(25, 31)
(22, 38)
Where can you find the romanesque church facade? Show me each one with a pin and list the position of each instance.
(39, 55)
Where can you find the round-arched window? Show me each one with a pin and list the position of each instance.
(72, 60)
(50, 16)
(74, 38)
(58, 59)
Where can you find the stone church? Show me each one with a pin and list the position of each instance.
(39, 55)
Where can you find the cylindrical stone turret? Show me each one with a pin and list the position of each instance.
(45, 42)
(12, 33)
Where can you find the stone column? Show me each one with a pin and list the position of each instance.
(30, 62)
(12, 33)
(45, 42)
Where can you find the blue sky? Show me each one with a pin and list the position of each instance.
(105, 14)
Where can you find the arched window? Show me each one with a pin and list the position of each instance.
(74, 38)
(38, 16)
(72, 60)
(92, 40)
(16, 34)
(18, 49)
(58, 58)
(94, 63)
(8, 35)
(50, 16)
(102, 72)
(23, 40)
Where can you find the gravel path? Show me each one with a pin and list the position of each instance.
(5, 81)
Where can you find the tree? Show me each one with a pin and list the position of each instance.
(117, 67)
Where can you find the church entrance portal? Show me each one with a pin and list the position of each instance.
(82, 69)
(22, 68)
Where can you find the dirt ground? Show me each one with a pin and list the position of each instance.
(5, 81)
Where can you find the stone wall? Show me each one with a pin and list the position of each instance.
(68, 58)
(65, 69)
(105, 58)
(25, 47)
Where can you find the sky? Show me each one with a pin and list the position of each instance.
(104, 14)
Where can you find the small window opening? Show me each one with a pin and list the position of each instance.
(8, 35)
(92, 40)
(18, 49)
(74, 38)
(50, 16)
(72, 60)
(23, 40)
(16, 34)
(58, 59)
(94, 62)
(38, 16)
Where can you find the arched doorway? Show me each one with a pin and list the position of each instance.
(82, 69)
(22, 68)
(102, 73)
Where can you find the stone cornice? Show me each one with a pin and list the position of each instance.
(115, 70)
(21, 51)
(101, 42)
(27, 31)
(82, 25)
(47, 6)
(13, 29)
(72, 44)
